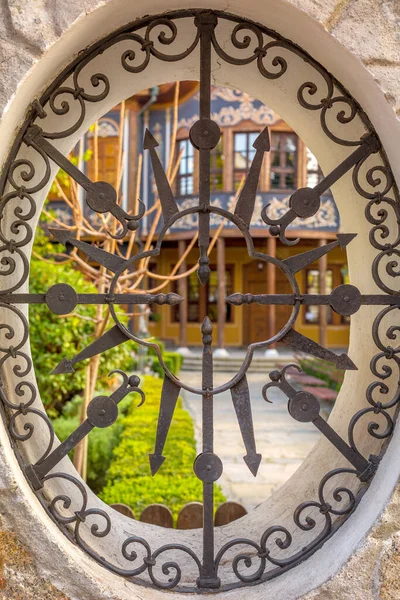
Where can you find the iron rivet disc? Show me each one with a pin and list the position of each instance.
(274, 230)
(205, 133)
(304, 407)
(61, 299)
(101, 196)
(208, 467)
(102, 411)
(346, 299)
(305, 202)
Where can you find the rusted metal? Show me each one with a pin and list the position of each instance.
(273, 549)
(305, 202)
(102, 412)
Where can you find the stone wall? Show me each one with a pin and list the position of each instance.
(370, 30)
(373, 573)
(19, 577)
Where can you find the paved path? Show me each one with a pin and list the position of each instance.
(283, 442)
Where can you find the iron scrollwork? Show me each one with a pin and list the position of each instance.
(318, 518)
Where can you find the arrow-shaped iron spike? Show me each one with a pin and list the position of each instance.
(242, 404)
(300, 261)
(300, 403)
(102, 257)
(169, 398)
(113, 337)
(369, 145)
(37, 472)
(101, 196)
(34, 137)
(246, 201)
(300, 342)
(168, 204)
(311, 196)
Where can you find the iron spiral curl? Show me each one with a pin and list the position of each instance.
(72, 90)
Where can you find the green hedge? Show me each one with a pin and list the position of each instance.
(129, 480)
(173, 361)
(52, 337)
(101, 441)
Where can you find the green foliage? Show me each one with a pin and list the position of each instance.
(173, 361)
(101, 441)
(53, 337)
(129, 480)
(324, 370)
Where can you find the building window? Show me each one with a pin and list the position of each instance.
(243, 154)
(283, 171)
(184, 176)
(203, 300)
(314, 172)
(217, 167)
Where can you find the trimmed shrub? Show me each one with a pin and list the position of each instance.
(53, 337)
(101, 441)
(129, 479)
(173, 361)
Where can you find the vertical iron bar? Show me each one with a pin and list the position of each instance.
(221, 293)
(183, 291)
(208, 578)
(271, 289)
(207, 385)
(323, 310)
(206, 23)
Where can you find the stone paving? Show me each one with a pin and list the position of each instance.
(283, 442)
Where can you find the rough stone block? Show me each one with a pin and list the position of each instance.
(390, 571)
(320, 10)
(30, 21)
(373, 571)
(15, 63)
(63, 13)
(370, 29)
(388, 79)
(18, 575)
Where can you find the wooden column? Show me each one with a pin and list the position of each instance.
(271, 287)
(134, 150)
(221, 292)
(183, 291)
(323, 310)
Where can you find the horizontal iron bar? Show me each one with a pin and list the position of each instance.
(236, 299)
(96, 298)
(309, 299)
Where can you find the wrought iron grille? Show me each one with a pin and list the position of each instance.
(249, 560)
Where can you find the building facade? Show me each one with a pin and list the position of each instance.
(288, 166)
